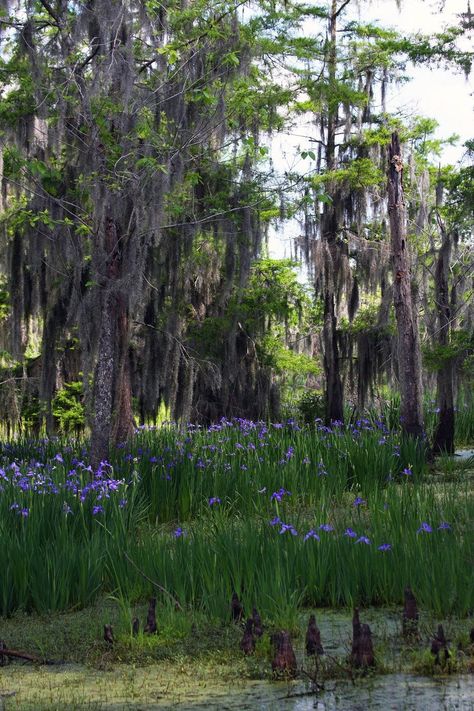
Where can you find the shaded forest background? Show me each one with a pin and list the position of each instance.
(138, 190)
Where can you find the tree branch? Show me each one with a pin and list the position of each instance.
(51, 12)
(338, 12)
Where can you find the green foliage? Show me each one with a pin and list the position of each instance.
(460, 347)
(4, 299)
(273, 353)
(312, 406)
(68, 408)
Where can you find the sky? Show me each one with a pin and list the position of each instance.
(435, 93)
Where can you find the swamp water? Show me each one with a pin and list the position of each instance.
(220, 683)
(156, 689)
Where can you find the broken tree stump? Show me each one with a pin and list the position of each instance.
(313, 638)
(284, 660)
(410, 614)
(151, 627)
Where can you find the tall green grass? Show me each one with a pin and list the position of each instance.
(286, 516)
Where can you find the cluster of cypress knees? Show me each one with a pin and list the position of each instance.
(362, 651)
(284, 658)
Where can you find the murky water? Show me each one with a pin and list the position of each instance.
(154, 688)
(388, 693)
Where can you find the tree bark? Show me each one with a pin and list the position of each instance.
(409, 356)
(329, 233)
(107, 354)
(444, 435)
(123, 425)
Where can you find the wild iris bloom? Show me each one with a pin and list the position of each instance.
(425, 528)
(444, 526)
(407, 472)
(178, 532)
(326, 527)
(359, 501)
(275, 521)
(350, 533)
(288, 527)
(312, 534)
(385, 547)
(364, 539)
(97, 510)
(214, 500)
(278, 495)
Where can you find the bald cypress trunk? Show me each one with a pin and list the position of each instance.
(444, 434)
(409, 355)
(105, 371)
(329, 233)
(123, 424)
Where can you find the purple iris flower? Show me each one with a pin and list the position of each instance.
(364, 539)
(385, 547)
(288, 527)
(97, 510)
(178, 532)
(326, 527)
(444, 526)
(350, 533)
(275, 521)
(312, 534)
(425, 528)
(359, 501)
(278, 495)
(214, 500)
(407, 472)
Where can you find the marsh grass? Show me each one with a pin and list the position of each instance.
(286, 516)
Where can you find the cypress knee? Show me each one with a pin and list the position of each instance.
(150, 627)
(257, 623)
(108, 634)
(236, 608)
(362, 653)
(410, 614)
(313, 638)
(284, 660)
(247, 643)
(439, 646)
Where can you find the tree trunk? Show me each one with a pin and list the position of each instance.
(104, 377)
(329, 230)
(444, 434)
(123, 424)
(409, 356)
(334, 392)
